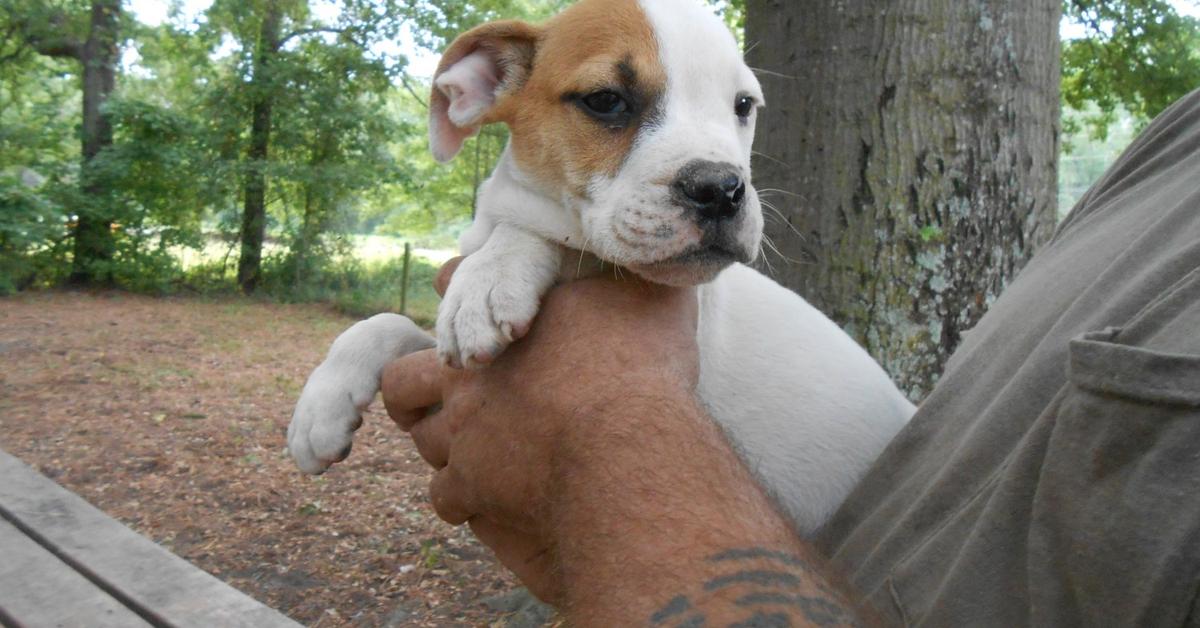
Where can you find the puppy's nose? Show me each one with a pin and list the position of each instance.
(716, 191)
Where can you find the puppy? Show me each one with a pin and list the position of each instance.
(631, 123)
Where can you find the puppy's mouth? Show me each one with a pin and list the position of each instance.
(705, 255)
(697, 265)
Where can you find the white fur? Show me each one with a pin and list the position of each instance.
(335, 395)
(495, 295)
(705, 75)
(806, 408)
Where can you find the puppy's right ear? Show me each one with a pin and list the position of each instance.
(481, 67)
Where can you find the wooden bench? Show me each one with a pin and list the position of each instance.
(65, 563)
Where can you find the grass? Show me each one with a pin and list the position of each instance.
(367, 281)
(373, 288)
(358, 275)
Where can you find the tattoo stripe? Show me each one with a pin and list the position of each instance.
(764, 620)
(760, 553)
(819, 611)
(760, 577)
(677, 605)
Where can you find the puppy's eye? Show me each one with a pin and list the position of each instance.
(605, 105)
(743, 107)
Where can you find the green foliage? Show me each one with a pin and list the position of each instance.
(30, 231)
(39, 105)
(734, 14)
(1139, 56)
(437, 22)
(356, 287)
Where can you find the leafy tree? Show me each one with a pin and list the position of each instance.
(88, 33)
(39, 155)
(288, 83)
(1138, 55)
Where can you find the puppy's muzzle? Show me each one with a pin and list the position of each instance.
(714, 192)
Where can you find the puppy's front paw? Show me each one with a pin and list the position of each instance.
(484, 311)
(323, 425)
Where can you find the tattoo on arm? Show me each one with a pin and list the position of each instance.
(770, 589)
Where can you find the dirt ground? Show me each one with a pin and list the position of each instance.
(170, 414)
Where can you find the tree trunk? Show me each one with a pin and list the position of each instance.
(911, 150)
(254, 210)
(319, 205)
(93, 238)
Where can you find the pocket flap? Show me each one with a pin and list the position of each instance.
(1102, 365)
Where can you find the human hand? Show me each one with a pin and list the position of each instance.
(506, 438)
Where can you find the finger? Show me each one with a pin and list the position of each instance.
(442, 281)
(450, 497)
(526, 555)
(432, 438)
(410, 385)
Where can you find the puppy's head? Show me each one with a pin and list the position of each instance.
(638, 114)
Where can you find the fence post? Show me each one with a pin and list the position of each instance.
(404, 280)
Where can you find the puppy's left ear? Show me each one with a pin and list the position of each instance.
(481, 67)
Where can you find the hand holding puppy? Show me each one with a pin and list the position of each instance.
(501, 433)
(582, 458)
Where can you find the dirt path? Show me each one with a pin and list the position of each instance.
(169, 414)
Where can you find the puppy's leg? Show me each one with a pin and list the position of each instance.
(494, 296)
(330, 408)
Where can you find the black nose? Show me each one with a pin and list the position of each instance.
(716, 191)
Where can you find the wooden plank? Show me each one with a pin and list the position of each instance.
(37, 589)
(159, 586)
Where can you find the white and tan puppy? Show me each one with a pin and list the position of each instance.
(631, 123)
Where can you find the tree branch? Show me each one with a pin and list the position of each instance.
(408, 86)
(60, 47)
(45, 39)
(322, 29)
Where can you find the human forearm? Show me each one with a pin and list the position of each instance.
(583, 459)
(658, 521)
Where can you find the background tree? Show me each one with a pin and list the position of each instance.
(63, 32)
(910, 152)
(39, 157)
(1138, 56)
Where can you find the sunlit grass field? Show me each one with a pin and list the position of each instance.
(366, 279)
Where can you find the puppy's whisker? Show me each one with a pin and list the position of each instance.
(769, 157)
(783, 219)
(771, 243)
(772, 73)
(778, 191)
(766, 260)
(582, 252)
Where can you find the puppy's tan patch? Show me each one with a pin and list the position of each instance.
(593, 46)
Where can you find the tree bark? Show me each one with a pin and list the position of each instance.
(254, 210)
(911, 150)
